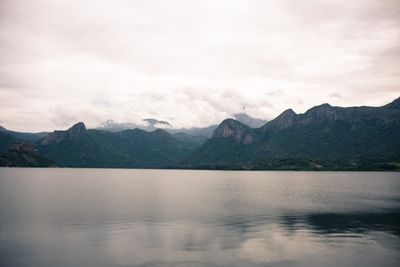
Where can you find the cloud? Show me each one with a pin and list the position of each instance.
(335, 95)
(195, 62)
(155, 122)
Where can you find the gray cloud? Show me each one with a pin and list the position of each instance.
(194, 61)
(155, 122)
(335, 95)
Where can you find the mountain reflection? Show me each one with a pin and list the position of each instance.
(337, 223)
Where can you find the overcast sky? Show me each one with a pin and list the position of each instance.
(192, 63)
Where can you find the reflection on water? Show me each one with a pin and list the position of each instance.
(81, 217)
(337, 223)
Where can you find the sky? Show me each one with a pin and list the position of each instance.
(191, 63)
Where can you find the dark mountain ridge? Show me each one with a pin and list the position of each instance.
(22, 136)
(336, 137)
(76, 131)
(24, 155)
(327, 113)
(132, 148)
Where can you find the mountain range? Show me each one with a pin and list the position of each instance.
(153, 124)
(323, 138)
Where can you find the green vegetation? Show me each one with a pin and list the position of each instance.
(323, 138)
(24, 155)
(127, 149)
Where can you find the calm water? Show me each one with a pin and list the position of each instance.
(97, 217)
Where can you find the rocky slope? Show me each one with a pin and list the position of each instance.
(24, 155)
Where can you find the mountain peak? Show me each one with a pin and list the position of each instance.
(228, 124)
(232, 122)
(324, 112)
(287, 113)
(230, 128)
(326, 105)
(77, 130)
(322, 107)
(80, 126)
(283, 121)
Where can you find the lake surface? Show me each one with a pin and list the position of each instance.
(103, 217)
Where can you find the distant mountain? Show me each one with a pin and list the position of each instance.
(9, 138)
(249, 121)
(152, 125)
(24, 155)
(22, 136)
(207, 132)
(81, 147)
(113, 126)
(324, 137)
(204, 132)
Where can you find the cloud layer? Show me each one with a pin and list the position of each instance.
(192, 63)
